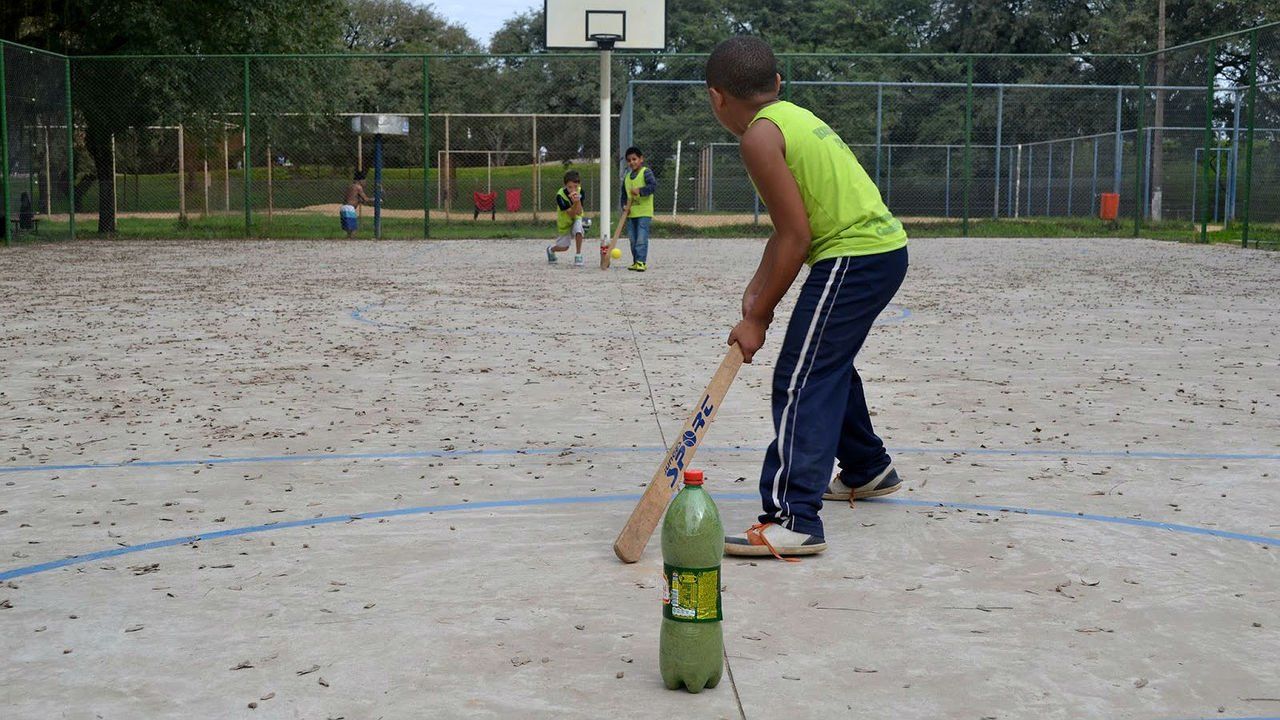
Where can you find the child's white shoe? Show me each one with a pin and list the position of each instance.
(885, 482)
(551, 254)
(578, 261)
(773, 539)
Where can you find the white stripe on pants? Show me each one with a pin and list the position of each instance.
(793, 390)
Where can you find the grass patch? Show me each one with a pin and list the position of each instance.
(321, 227)
(315, 227)
(306, 185)
(1091, 227)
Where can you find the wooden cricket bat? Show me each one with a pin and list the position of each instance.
(606, 253)
(648, 512)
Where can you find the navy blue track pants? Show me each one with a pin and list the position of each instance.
(819, 409)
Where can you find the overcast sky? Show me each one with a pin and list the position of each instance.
(481, 18)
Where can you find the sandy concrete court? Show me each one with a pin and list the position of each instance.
(380, 480)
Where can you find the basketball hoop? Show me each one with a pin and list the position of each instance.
(604, 41)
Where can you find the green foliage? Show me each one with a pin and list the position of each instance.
(298, 104)
(399, 26)
(116, 98)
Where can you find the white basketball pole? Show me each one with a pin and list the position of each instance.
(536, 195)
(182, 177)
(606, 166)
(1017, 186)
(115, 203)
(226, 173)
(205, 148)
(675, 200)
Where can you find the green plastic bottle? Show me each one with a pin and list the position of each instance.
(691, 647)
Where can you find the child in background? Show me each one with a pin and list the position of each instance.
(638, 187)
(354, 198)
(568, 219)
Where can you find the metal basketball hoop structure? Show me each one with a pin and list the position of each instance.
(604, 41)
(378, 126)
(604, 25)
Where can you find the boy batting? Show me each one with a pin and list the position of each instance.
(827, 214)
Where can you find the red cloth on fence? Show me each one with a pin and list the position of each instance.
(484, 201)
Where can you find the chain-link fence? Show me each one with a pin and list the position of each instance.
(38, 169)
(1183, 142)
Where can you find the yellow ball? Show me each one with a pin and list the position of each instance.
(615, 253)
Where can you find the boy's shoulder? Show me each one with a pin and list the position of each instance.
(786, 110)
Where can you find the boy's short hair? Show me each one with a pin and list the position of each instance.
(742, 66)
(633, 150)
(572, 176)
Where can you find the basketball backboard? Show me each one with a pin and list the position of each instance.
(583, 24)
(380, 124)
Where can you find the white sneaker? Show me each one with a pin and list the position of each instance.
(551, 254)
(578, 261)
(885, 482)
(772, 539)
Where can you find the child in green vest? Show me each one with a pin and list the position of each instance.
(828, 214)
(568, 218)
(638, 186)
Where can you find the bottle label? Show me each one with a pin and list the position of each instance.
(691, 594)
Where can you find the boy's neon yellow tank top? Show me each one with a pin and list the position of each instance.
(564, 220)
(641, 205)
(846, 215)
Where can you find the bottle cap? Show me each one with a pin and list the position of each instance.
(692, 477)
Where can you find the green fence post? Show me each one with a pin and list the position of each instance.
(1248, 145)
(1208, 141)
(1140, 202)
(4, 151)
(426, 151)
(968, 141)
(786, 78)
(71, 149)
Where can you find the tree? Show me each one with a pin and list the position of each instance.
(398, 26)
(114, 96)
(522, 83)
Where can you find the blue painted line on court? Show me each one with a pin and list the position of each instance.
(321, 457)
(285, 525)
(1111, 454)
(1112, 519)
(893, 315)
(596, 499)
(499, 452)
(358, 314)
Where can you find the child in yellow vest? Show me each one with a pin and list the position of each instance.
(569, 222)
(638, 186)
(826, 213)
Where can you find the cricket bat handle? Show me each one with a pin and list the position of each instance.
(622, 221)
(605, 250)
(666, 480)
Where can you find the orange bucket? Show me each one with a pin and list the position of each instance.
(1109, 207)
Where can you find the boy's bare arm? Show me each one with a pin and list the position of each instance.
(764, 154)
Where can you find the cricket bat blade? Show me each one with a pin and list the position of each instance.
(666, 480)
